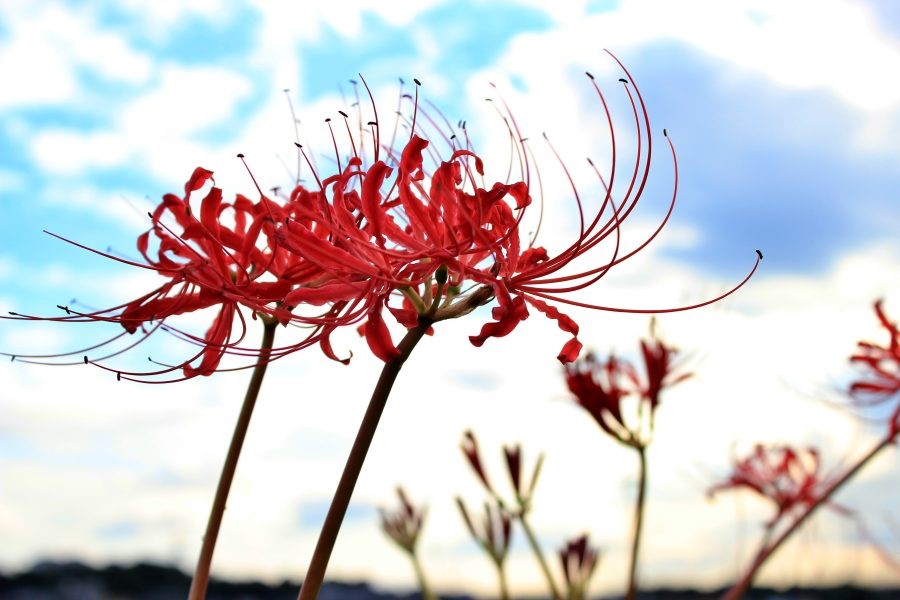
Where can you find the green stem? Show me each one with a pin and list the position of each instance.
(504, 587)
(638, 523)
(201, 573)
(532, 541)
(424, 588)
(315, 575)
(740, 588)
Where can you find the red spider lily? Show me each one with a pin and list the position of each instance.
(430, 226)
(600, 387)
(659, 366)
(579, 560)
(404, 524)
(524, 491)
(207, 264)
(881, 380)
(495, 531)
(789, 478)
(469, 446)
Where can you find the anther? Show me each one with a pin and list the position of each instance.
(372, 123)
(328, 120)
(65, 308)
(417, 81)
(623, 80)
(665, 133)
(85, 359)
(12, 358)
(343, 114)
(298, 144)
(759, 254)
(401, 81)
(240, 155)
(286, 90)
(118, 376)
(353, 81)
(588, 73)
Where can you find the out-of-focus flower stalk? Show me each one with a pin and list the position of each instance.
(200, 580)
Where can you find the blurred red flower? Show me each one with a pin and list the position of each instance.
(880, 382)
(788, 477)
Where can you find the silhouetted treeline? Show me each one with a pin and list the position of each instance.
(146, 581)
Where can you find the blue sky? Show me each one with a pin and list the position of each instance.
(786, 136)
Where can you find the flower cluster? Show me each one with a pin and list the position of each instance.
(404, 524)
(579, 561)
(881, 379)
(601, 387)
(415, 231)
(789, 477)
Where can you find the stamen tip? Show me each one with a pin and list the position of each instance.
(623, 80)
(118, 376)
(665, 133)
(343, 114)
(590, 76)
(240, 155)
(759, 254)
(417, 81)
(85, 359)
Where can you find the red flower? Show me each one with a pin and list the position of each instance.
(495, 531)
(659, 366)
(207, 264)
(425, 228)
(600, 387)
(789, 478)
(881, 379)
(579, 560)
(469, 446)
(405, 524)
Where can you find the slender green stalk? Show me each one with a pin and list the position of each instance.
(315, 575)
(424, 588)
(631, 593)
(535, 547)
(740, 588)
(201, 573)
(504, 586)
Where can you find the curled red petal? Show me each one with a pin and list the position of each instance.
(507, 318)
(199, 177)
(378, 336)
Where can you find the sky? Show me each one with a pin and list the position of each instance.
(785, 118)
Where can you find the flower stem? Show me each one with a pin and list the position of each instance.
(532, 541)
(309, 590)
(424, 588)
(638, 523)
(201, 573)
(740, 588)
(504, 586)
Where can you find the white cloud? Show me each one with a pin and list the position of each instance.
(47, 43)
